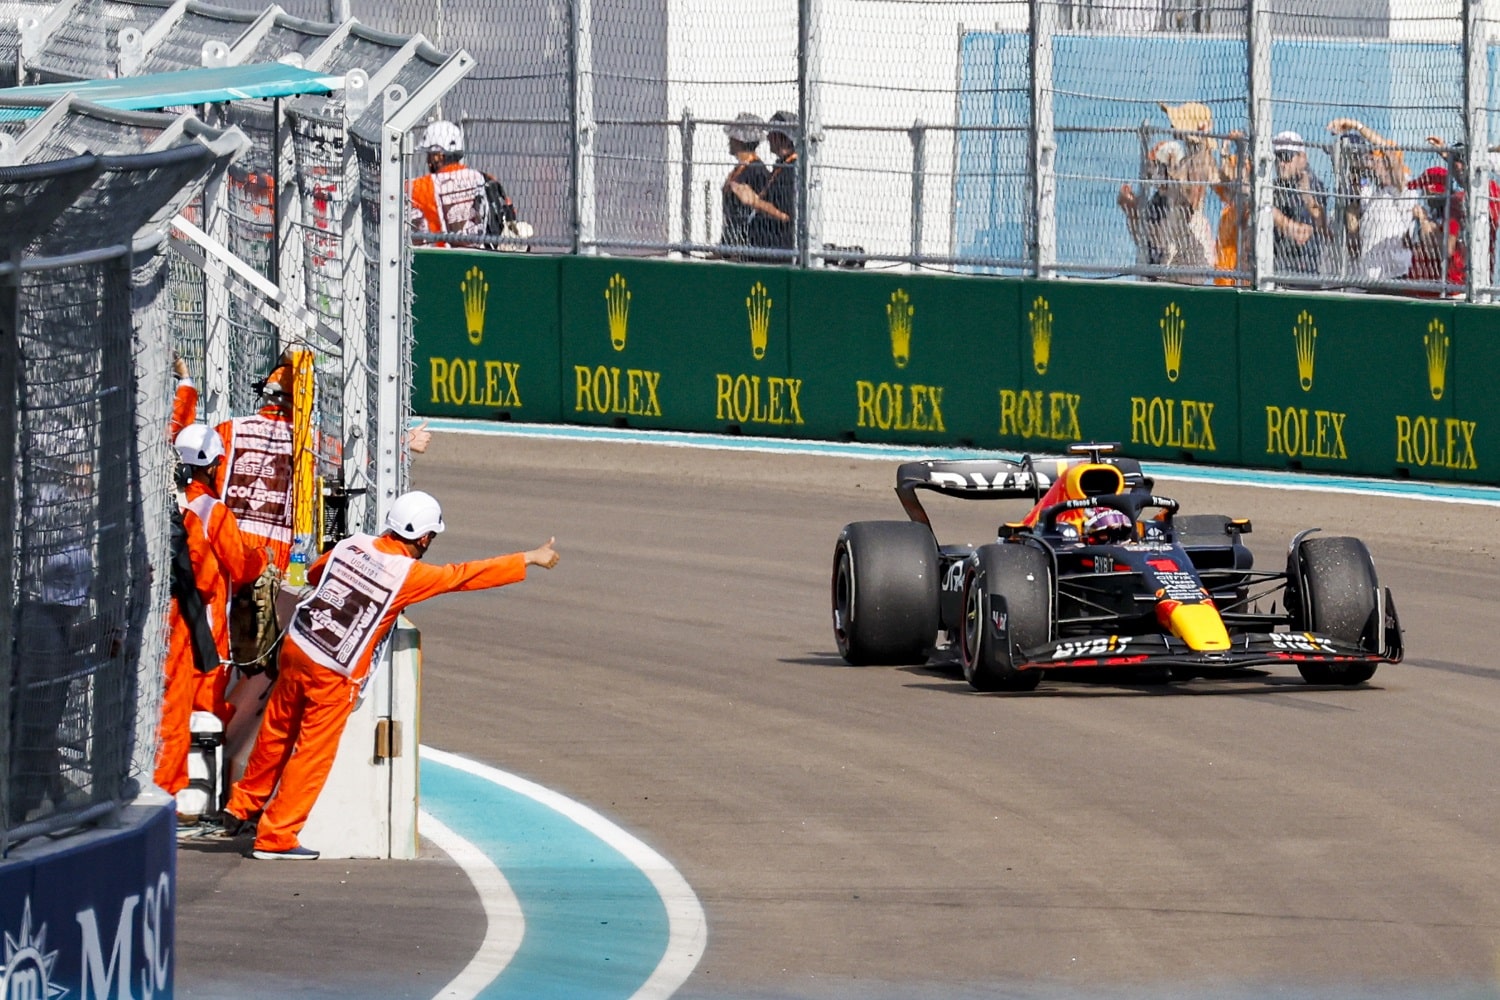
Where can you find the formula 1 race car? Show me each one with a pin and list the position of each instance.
(1101, 574)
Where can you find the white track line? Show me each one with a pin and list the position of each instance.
(687, 926)
(504, 923)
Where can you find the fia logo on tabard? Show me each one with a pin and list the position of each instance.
(617, 307)
(1040, 318)
(28, 964)
(1173, 327)
(476, 292)
(1436, 342)
(1305, 333)
(899, 313)
(758, 310)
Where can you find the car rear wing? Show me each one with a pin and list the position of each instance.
(969, 479)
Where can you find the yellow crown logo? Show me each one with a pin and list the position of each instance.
(1041, 334)
(1306, 336)
(1173, 326)
(476, 296)
(758, 308)
(898, 314)
(1437, 357)
(617, 304)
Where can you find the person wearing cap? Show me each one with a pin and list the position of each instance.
(360, 587)
(745, 135)
(1191, 124)
(255, 478)
(451, 197)
(773, 224)
(1378, 215)
(219, 558)
(1455, 157)
(1299, 209)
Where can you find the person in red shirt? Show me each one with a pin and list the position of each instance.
(360, 587)
(221, 558)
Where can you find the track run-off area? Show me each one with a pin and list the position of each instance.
(817, 830)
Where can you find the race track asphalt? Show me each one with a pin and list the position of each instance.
(888, 832)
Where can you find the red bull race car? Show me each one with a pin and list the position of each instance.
(1101, 574)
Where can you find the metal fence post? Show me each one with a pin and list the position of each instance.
(581, 84)
(1043, 140)
(1476, 135)
(809, 114)
(686, 130)
(10, 333)
(1262, 167)
(918, 134)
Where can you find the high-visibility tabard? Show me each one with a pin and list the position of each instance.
(259, 483)
(336, 625)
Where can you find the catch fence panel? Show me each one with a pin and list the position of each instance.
(1001, 136)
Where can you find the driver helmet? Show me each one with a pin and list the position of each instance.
(1105, 525)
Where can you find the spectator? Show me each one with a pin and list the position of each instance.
(1455, 158)
(745, 136)
(1377, 212)
(210, 558)
(773, 223)
(1198, 170)
(1233, 191)
(361, 586)
(1299, 209)
(1158, 214)
(1434, 232)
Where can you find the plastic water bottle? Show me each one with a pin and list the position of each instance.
(296, 571)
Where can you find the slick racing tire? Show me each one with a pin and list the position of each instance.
(1007, 607)
(885, 592)
(1340, 599)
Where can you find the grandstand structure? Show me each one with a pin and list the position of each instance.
(179, 178)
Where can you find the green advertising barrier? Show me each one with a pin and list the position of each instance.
(677, 345)
(1361, 385)
(1470, 371)
(1152, 366)
(1350, 384)
(486, 340)
(902, 357)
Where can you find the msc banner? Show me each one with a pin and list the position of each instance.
(92, 916)
(1363, 384)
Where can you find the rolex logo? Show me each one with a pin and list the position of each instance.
(758, 308)
(617, 304)
(898, 314)
(1040, 317)
(1437, 342)
(1306, 335)
(476, 296)
(1173, 326)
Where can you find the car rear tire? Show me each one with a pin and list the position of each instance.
(885, 592)
(1007, 602)
(1340, 599)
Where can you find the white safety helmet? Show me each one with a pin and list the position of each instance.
(443, 136)
(198, 444)
(413, 515)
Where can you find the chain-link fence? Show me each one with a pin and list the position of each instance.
(297, 242)
(1109, 138)
(85, 517)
